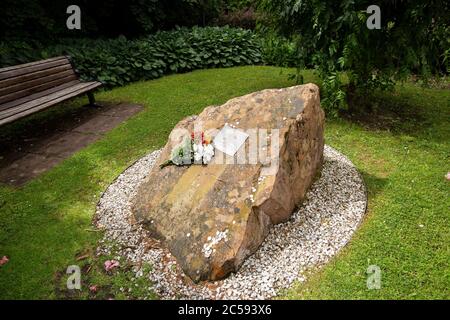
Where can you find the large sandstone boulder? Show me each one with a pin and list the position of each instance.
(212, 217)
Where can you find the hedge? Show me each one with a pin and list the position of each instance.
(118, 61)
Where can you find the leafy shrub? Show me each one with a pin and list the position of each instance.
(279, 51)
(119, 61)
(333, 36)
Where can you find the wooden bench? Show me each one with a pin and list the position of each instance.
(32, 87)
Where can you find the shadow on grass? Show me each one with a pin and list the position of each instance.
(391, 113)
(409, 110)
(374, 184)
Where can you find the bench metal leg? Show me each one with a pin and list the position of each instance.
(91, 99)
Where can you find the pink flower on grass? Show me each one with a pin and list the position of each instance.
(111, 264)
(93, 288)
(4, 260)
(447, 176)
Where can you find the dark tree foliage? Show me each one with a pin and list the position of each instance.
(333, 36)
(46, 19)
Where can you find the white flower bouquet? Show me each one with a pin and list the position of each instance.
(191, 151)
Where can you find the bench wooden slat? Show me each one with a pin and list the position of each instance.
(34, 75)
(29, 64)
(31, 84)
(28, 108)
(37, 95)
(33, 68)
(32, 87)
(36, 102)
(38, 88)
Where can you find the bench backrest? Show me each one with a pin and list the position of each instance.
(31, 78)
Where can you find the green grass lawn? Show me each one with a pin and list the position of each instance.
(402, 154)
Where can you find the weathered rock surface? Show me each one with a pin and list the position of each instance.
(213, 217)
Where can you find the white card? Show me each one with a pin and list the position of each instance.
(229, 140)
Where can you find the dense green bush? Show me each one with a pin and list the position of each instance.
(279, 51)
(119, 61)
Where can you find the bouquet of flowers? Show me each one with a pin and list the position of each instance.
(191, 151)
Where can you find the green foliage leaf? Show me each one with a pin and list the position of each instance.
(119, 61)
(332, 37)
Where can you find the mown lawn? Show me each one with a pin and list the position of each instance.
(403, 155)
(46, 224)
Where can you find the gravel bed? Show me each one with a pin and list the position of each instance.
(335, 205)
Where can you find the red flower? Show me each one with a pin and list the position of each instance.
(4, 260)
(111, 264)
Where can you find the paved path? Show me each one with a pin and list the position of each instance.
(39, 149)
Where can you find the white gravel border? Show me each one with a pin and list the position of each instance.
(335, 206)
